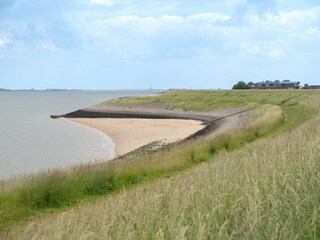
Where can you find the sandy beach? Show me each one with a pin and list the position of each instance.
(129, 134)
(131, 126)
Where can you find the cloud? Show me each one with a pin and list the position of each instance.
(3, 42)
(249, 7)
(268, 35)
(209, 17)
(258, 12)
(102, 2)
(296, 17)
(165, 22)
(262, 6)
(263, 49)
(314, 31)
(132, 31)
(255, 50)
(169, 39)
(276, 53)
(166, 36)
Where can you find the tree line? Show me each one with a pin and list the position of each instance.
(243, 85)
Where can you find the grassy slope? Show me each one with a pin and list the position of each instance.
(291, 101)
(203, 100)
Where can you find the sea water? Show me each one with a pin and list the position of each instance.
(31, 141)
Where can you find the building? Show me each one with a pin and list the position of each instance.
(285, 84)
(306, 86)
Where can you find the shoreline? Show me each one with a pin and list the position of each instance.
(108, 140)
(131, 126)
(129, 134)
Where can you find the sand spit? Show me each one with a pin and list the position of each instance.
(129, 134)
(134, 125)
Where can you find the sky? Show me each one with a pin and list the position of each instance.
(138, 44)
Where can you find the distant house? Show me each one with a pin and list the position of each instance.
(306, 86)
(277, 84)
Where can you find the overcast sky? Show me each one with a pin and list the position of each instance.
(131, 44)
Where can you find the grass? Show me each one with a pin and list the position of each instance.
(58, 189)
(238, 190)
(204, 100)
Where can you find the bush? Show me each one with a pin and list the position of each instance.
(242, 85)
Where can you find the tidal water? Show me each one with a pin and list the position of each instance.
(31, 141)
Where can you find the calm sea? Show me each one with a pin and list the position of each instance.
(31, 141)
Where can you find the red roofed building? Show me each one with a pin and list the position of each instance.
(285, 84)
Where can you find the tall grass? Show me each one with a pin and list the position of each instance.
(59, 189)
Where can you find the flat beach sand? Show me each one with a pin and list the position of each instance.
(129, 134)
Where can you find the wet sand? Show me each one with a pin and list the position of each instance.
(129, 134)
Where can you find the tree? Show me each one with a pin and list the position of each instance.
(241, 85)
(250, 84)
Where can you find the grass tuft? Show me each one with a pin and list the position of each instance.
(47, 192)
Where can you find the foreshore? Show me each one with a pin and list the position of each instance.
(133, 126)
(129, 134)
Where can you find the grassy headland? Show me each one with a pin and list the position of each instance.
(257, 190)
